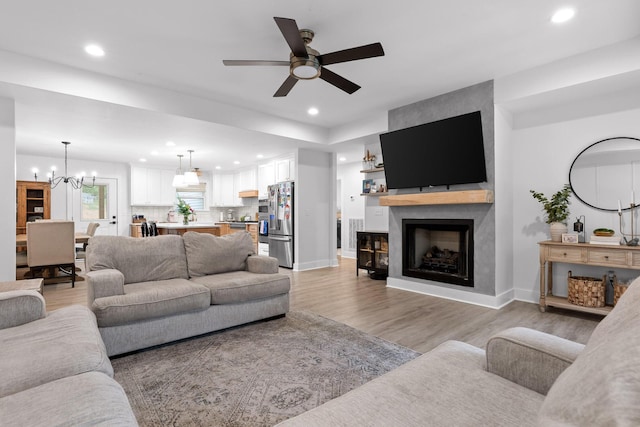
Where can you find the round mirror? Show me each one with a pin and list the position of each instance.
(605, 174)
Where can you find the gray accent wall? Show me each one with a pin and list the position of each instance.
(466, 100)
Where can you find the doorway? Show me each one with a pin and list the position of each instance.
(98, 203)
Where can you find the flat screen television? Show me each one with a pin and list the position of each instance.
(445, 152)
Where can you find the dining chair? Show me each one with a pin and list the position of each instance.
(81, 253)
(51, 248)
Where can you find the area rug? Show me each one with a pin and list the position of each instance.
(254, 375)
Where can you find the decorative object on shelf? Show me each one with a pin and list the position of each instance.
(578, 227)
(191, 176)
(569, 238)
(75, 181)
(185, 210)
(556, 209)
(586, 291)
(368, 161)
(366, 186)
(633, 241)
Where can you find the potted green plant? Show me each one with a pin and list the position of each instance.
(556, 209)
(185, 210)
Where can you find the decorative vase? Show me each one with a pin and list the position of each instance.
(185, 220)
(557, 229)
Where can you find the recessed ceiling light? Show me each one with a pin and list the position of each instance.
(236, 162)
(343, 159)
(94, 50)
(562, 15)
(143, 160)
(312, 111)
(218, 168)
(259, 156)
(170, 144)
(155, 153)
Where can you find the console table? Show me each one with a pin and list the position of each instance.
(581, 253)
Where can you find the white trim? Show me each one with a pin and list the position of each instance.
(313, 265)
(490, 301)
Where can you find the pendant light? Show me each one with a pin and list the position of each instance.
(178, 179)
(191, 176)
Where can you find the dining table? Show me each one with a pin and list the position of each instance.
(81, 238)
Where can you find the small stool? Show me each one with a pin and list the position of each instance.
(22, 285)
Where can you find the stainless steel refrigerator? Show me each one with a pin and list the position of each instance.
(281, 222)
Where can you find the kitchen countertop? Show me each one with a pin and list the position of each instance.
(236, 222)
(179, 225)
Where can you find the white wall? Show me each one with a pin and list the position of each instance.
(7, 190)
(542, 156)
(65, 203)
(503, 189)
(315, 210)
(352, 202)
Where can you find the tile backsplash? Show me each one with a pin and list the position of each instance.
(159, 213)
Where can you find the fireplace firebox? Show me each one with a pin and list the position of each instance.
(438, 249)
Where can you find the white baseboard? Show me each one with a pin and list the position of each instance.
(348, 254)
(312, 265)
(490, 301)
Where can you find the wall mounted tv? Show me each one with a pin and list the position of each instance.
(445, 152)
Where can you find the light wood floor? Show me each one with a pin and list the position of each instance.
(413, 320)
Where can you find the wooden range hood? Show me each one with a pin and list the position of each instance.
(248, 193)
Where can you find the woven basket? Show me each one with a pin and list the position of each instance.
(618, 290)
(586, 291)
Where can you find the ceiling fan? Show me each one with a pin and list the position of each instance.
(306, 63)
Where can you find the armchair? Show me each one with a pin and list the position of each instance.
(51, 244)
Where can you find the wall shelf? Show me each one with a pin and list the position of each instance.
(381, 169)
(377, 194)
(439, 198)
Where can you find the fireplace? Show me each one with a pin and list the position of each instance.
(438, 249)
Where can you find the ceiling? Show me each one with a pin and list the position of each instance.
(431, 47)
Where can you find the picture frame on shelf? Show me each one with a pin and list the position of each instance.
(366, 185)
(569, 238)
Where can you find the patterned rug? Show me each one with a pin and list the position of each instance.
(253, 375)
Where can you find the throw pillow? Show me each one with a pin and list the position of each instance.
(209, 254)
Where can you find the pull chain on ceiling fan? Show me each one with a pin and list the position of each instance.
(305, 63)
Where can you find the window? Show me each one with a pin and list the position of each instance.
(94, 202)
(193, 195)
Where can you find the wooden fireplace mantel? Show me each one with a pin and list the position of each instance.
(439, 198)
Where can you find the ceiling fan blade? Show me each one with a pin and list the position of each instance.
(291, 33)
(361, 52)
(250, 62)
(338, 81)
(288, 84)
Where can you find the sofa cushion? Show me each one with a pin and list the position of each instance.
(602, 386)
(65, 343)
(87, 399)
(446, 387)
(150, 299)
(139, 260)
(209, 254)
(240, 286)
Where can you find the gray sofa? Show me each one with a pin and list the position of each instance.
(151, 291)
(54, 368)
(523, 378)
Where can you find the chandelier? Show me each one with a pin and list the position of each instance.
(75, 181)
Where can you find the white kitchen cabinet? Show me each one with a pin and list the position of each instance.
(285, 170)
(246, 180)
(266, 177)
(223, 190)
(151, 187)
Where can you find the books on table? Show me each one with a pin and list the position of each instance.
(605, 240)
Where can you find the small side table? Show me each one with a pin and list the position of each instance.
(22, 285)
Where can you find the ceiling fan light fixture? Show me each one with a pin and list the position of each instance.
(305, 68)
